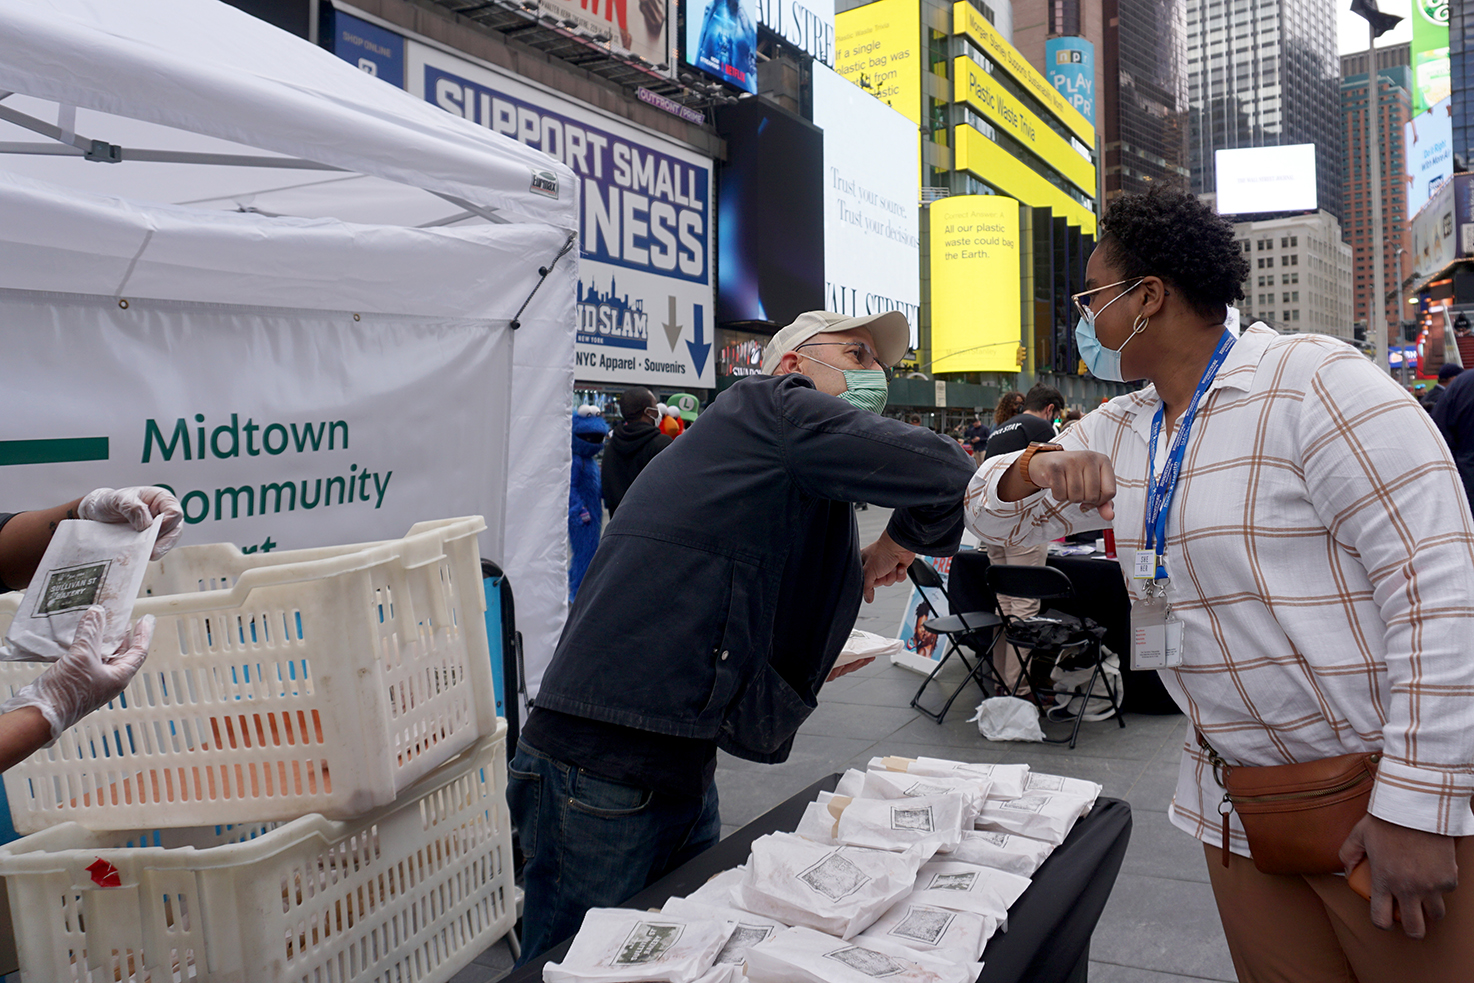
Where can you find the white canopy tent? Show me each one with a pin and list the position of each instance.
(212, 225)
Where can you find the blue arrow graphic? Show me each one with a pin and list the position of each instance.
(699, 349)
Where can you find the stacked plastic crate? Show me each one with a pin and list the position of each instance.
(306, 780)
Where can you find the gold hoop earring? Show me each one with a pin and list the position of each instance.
(1140, 324)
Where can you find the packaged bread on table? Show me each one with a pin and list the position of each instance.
(1059, 784)
(1009, 852)
(933, 821)
(967, 887)
(900, 785)
(1041, 815)
(802, 955)
(617, 945)
(749, 929)
(914, 922)
(840, 890)
(1004, 781)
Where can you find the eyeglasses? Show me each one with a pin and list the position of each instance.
(1085, 298)
(861, 353)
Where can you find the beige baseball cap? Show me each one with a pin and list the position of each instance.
(891, 331)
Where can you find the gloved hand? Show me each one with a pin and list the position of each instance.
(137, 506)
(84, 679)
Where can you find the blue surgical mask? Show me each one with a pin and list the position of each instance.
(1103, 363)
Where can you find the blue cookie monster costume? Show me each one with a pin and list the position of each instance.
(585, 510)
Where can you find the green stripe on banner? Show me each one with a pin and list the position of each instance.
(56, 451)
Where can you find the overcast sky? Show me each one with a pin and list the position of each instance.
(1353, 29)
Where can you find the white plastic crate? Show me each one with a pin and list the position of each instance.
(409, 893)
(278, 684)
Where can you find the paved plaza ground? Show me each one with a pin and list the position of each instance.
(1160, 925)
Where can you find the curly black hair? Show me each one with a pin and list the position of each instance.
(1173, 235)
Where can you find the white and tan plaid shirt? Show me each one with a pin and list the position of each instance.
(1321, 553)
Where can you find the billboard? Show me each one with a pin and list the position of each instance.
(984, 93)
(376, 51)
(1436, 231)
(990, 162)
(1431, 83)
(645, 290)
(968, 20)
(879, 49)
(770, 220)
(976, 310)
(871, 223)
(722, 41)
(808, 25)
(1069, 64)
(1266, 179)
(1428, 140)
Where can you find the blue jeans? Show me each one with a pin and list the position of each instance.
(594, 843)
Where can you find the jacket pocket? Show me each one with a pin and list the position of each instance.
(765, 718)
(732, 649)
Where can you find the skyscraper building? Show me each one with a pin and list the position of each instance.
(1140, 81)
(1264, 73)
(1394, 107)
(1461, 78)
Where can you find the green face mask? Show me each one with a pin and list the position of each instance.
(865, 389)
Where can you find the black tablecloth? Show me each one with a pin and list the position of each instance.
(1049, 926)
(1100, 595)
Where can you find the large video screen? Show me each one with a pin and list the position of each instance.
(871, 238)
(770, 215)
(1266, 179)
(721, 40)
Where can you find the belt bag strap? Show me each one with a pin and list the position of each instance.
(1295, 816)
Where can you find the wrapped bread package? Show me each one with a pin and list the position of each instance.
(900, 785)
(617, 945)
(933, 821)
(957, 936)
(838, 890)
(749, 929)
(801, 955)
(1009, 852)
(967, 887)
(721, 889)
(1043, 816)
(1004, 781)
(1078, 787)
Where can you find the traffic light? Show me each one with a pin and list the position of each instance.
(1359, 331)
(1410, 331)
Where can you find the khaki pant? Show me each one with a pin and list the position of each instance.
(1315, 929)
(1010, 664)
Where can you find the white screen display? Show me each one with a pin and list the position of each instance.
(1266, 179)
(871, 222)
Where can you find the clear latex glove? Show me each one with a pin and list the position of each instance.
(85, 679)
(137, 506)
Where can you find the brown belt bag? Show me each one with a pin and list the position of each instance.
(1295, 816)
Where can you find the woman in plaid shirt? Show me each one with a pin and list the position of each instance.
(1320, 557)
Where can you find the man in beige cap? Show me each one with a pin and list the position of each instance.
(715, 608)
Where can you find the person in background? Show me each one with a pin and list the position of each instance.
(1310, 540)
(1447, 373)
(1010, 405)
(975, 437)
(1454, 417)
(747, 521)
(1032, 423)
(86, 677)
(585, 510)
(632, 444)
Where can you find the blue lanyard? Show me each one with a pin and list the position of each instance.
(1160, 488)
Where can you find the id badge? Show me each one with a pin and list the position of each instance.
(1145, 567)
(1149, 648)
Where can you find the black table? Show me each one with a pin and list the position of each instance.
(1049, 926)
(1100, 595)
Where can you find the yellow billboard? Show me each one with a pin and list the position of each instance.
(976, 153)
(967, 20)
(878, 47)
(978, 89)
(976, 310)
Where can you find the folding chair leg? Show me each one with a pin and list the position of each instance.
(972, 674)
(1111, 695)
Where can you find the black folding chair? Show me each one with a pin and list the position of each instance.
(975, 630)
(1050, 633)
